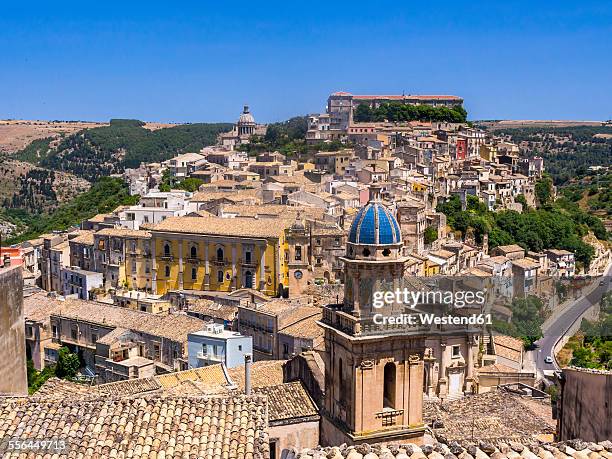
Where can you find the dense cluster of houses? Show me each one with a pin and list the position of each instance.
(265, 261)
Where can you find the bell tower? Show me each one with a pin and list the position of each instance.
(373, 371)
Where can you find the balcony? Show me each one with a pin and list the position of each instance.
(211, 357)
(219, 262)
(389, 416)
(248, 263)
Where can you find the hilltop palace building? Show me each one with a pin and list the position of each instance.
(341, 105)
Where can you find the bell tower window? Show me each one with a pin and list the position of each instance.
(389, 386)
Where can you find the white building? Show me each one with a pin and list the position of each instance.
(231, 159)
(217, 345)
(155, 207)
(182, 165)
(80, 282)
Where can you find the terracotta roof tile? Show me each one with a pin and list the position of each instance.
(496, 415)
(163, 427)
(175, 327)
(263, 373)
(240, 227)
(288, 402)
(476, 449)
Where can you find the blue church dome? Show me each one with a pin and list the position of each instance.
(375, 224)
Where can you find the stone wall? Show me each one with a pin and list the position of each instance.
(294, 436)
(13, 376)
(586, 405)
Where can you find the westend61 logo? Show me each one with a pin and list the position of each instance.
(440, 300)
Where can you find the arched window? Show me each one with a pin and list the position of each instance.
(194, 273)
(166, 249)
(219, 276)
(167, 271)
(194, 251)
(389, 389)
(220, 254)
(342, 384)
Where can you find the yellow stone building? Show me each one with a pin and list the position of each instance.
(488, 152)
(138, 261)
(221, 254)
(122, 263)
(431, 268)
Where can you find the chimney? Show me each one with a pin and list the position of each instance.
(247, 373)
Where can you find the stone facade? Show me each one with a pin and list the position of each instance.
(13, 379)
(585, 405)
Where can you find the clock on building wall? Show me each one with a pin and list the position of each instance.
(298, 274)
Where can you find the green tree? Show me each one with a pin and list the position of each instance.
(543, 190)
(363, 113)
(190, 184)
(104, 196)
(38, 378)
(431, 234)
(521, 200)
(68, 363)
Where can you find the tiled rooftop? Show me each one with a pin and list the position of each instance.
(510, 248)
(240, 227)
(153, 427)
(288, 402)
(263, 373)
(58, 389)
(123, 232)
(211, 380)
(175, 327)
(213, 309)
(86, 238)
(235, 196)
(306, 328)
(496, 416)
(40, 306)
(508, 347)
(479, 450)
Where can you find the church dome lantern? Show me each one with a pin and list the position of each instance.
(246, 117)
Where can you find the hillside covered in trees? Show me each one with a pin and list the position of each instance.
(106, 150)
(105, 195)
(568, 152)
(561, 225)
(592, 192)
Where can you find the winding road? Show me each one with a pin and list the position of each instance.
(559, 327)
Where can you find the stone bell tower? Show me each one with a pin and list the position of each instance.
(373, 371)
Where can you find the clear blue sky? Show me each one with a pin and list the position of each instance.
(202, 60)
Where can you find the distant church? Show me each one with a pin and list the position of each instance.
(242, 131)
